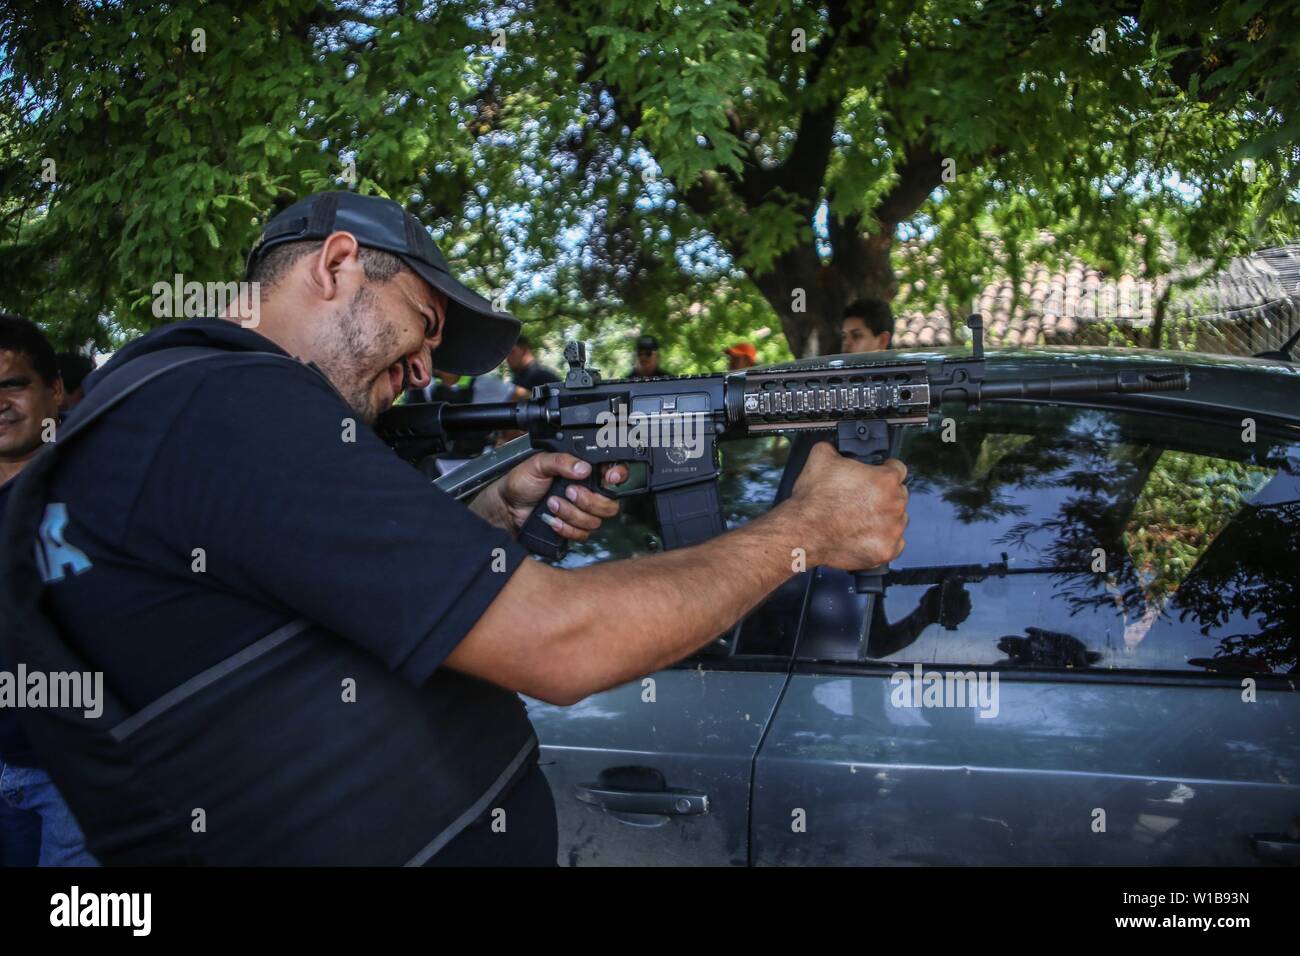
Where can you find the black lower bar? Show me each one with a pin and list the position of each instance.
(1071, 386)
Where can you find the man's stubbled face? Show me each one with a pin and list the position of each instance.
(377, 343)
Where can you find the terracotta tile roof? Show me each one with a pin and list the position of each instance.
(1067, 304)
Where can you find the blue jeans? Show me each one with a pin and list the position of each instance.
(36, 826)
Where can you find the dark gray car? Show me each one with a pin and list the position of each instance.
(1086, 655)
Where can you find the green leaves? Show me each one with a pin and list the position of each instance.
(167, 157)
(628, 162)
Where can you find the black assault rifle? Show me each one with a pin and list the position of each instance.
(672, 425)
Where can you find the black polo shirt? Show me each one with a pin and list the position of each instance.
(224, 499)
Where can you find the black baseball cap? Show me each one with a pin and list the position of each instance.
(647, 343)
(475, 338)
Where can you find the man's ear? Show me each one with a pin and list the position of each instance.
(885, 338)
(338, 254)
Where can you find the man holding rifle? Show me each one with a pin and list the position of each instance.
(218, 536)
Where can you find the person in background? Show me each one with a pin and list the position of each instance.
(73, 369)
(36, 826)
(647, 359)
(740, 356)
(526, 371)
(867, 326)
(482, 388)
(464, 390)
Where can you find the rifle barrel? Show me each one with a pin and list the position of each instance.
(1075, 385)
(486, 417)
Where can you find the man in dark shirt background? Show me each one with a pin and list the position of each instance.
(527, 372)
(73, 369)
(647, 364)
(36, 826)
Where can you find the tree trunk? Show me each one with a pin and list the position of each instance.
(859, 268)
(859, 265)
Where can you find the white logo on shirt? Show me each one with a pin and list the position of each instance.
(53, 553)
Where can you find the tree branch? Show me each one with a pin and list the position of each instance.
(918, 176)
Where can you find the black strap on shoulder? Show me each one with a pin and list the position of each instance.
(132, 375)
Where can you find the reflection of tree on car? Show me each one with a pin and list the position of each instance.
(1251, 572)
(1160, 525)
(1162, 535)
(981, 472)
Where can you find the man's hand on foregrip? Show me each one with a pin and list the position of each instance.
(855, 514)
(559, 488)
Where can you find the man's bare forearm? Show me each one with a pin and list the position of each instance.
(661, 608)
(599, 626)
(561, 635)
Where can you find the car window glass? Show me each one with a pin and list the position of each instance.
(1057, 538)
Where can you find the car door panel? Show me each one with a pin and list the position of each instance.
(696, 738)
(1089, 773)
(1132, 586)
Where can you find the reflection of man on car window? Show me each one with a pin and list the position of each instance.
(835, 626)
(947, 604)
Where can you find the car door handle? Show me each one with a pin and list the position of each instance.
(1276, 848)
(668, 803)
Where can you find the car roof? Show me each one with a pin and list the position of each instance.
(1221, 385)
